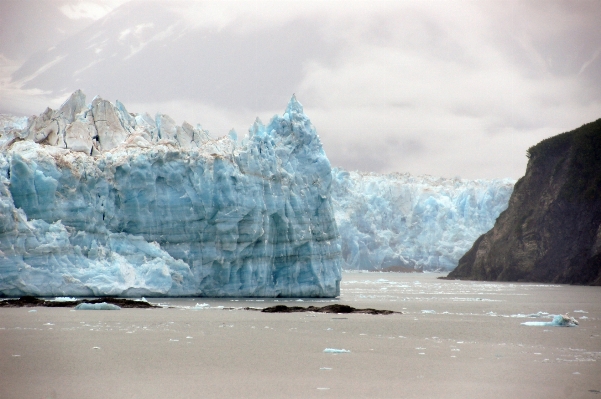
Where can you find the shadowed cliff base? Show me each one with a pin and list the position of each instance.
(551, 231)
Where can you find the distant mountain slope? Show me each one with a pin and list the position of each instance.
(145, 49)
(551, 231)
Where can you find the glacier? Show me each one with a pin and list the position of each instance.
(96, 201)
(400, 222)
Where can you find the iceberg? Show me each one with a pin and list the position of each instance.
(97, 201)
(559, 320)
(97, 306)
(334, 350)
(400, 222)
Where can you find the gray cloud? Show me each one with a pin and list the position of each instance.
(441, 88)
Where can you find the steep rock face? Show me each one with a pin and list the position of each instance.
(551, 231)
(97, 201)
(403, 222)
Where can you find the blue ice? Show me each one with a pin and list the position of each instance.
(97, 201)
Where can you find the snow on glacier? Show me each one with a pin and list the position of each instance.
(412, 222)
(97, 201)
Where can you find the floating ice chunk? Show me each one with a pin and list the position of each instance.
(333, 350)
(429, 311)
(538, 314)
(97, 306)
(64, 299)
(558, 321)
(321, 368)
(580, 311)
(96, 347)
(33, 310)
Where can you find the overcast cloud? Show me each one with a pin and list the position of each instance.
(427, 87)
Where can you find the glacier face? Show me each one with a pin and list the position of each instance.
(412, 222)
(97, 201)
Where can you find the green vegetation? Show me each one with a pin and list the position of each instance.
(583, 146)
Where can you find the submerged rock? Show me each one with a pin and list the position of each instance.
(96, 201)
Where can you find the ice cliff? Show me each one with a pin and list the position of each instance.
(401, 222)
(97, 201)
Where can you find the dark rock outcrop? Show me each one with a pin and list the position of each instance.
(31, 301)
(551, 231)
(336, 308)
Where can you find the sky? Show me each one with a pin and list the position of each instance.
(446, 88)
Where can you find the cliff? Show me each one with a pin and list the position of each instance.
(551, 230)
(97, 201)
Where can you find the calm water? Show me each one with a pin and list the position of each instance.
(455, 339)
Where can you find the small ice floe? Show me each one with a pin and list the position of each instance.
(48, 324)
(428, 311)
(321, 368)
(201, 306)
(559, 320)
(33, 310)
(16, 355)
(333, 350)
(64, 299)
(173, 340)
(299, 300)
(96, 347)
(580, 311)
(97, 306)
(523, 316)
(323, 389)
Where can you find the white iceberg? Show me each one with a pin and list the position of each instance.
(97, 306)
(558, 321)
